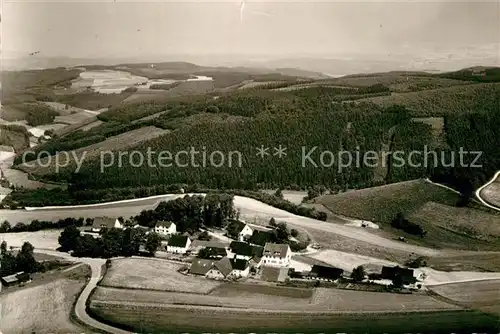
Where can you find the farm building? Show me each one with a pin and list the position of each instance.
(198, 245)
(276, 255)
(241, 268)
(244, 230)
(213, 252)
(274, 274)
(221, 269)
(105, 222)
(14, 279)
(390, 273)
(178, 244)
(245, 251)
(260, 237)
(165, 228)
(325, 272)
(201, 266)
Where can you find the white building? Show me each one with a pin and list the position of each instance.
(105, 222)
(241, 268)
(276, 255)
(178, 244)
(165, 228)
(246, 232)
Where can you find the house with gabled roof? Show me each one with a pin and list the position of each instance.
(101, 223)
(165, 228)
(178, 244)
(261, 237)
(241, 268)
(325, 272)
(245, 251)
(276, 255)
(221, 269)
(201, 266)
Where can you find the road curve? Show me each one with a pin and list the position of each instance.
(478, 192)
(81, 303)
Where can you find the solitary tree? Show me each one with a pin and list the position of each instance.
(272, 222)
(25, 259)
(358, 274)
(153, 241)
(68, 238)
(5, 227)
(278, 193)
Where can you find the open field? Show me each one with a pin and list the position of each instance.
(47, 239)
(153, 320)
(381, 204)
(477, 224)
(468, 261)
(71, 128)
(73, 119)
(155, 275)
(114, 143)
(249, 298)
(290, 195)
(483, 296)
(426, 204)
(43, 308)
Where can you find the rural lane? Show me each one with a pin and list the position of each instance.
(478, 192)
(81, 303)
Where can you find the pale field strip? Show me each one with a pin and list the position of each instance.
(144, 274)
(324, 301)
(41, 308)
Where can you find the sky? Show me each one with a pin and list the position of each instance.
(276, 28)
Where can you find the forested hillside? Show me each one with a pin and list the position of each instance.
(316, 120)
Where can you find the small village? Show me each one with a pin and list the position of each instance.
(246, 253)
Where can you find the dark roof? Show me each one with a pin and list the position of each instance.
(224, 266)
(391, 272)
(326, 272)
(276, 250)
(163, 224)
(177, 241)
(272, 274)
(261, 237)
(206, 243)
(201, 266)
(100, 222)
(240, 224)
(217, 251)
(245, 249)
(239, 264)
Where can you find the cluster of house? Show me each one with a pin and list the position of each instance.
(272, 261)
(236, 260)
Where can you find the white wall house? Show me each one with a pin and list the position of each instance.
(276, 255)
(241, 268)
(245, 233)
(165, 228)
(105, 222)
(178, 244)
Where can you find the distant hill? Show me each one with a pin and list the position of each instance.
(478, 74)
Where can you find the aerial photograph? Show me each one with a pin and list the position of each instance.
(249, 166)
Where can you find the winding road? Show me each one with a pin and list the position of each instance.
(478, 192)
(81, 303)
